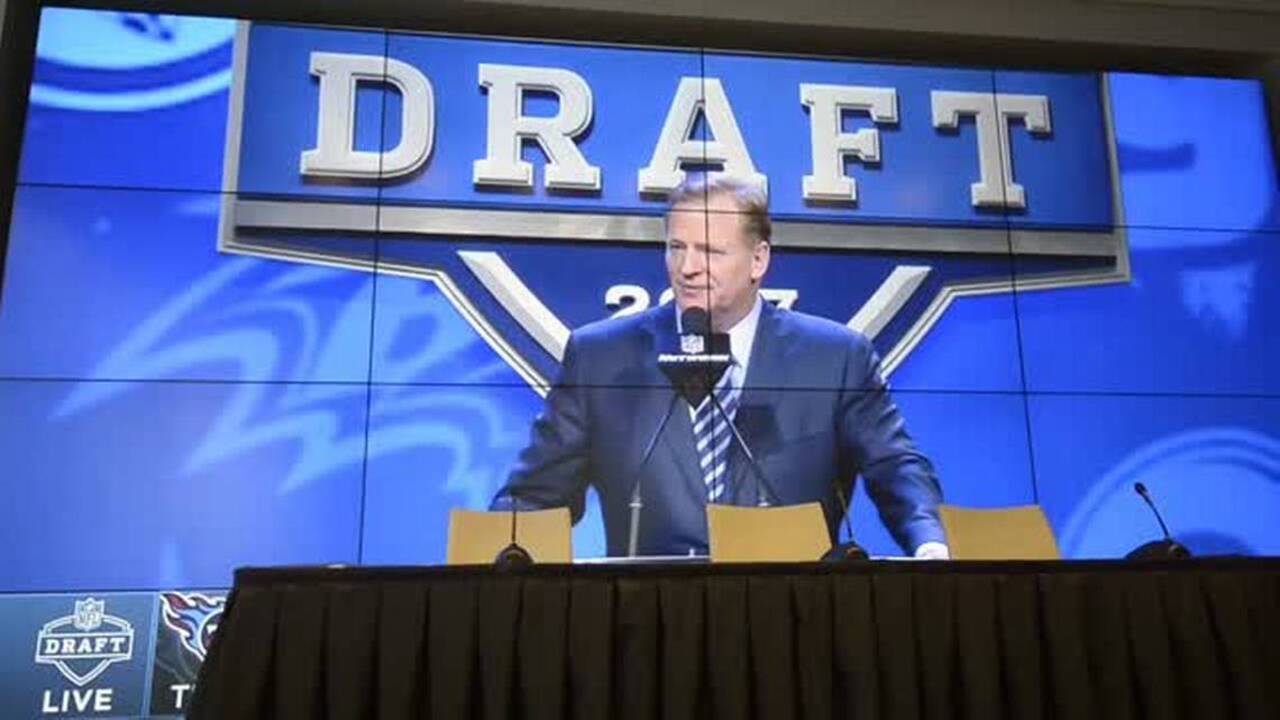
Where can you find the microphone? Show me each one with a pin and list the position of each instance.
(513, 555)
(1166, 549)
(637, 503)
(701, 359)
(848, 551)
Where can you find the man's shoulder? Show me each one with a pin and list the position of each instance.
(819, 331)
(618, 330)
(813, 346)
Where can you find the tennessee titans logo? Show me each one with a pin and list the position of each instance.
(128, 61)
(194, 617)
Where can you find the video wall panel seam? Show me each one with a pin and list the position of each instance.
(538, 263)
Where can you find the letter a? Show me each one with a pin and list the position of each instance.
(674, 149)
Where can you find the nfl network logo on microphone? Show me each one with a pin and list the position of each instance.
(528, 181)
(692, 344)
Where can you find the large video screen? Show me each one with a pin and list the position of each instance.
(282, 294)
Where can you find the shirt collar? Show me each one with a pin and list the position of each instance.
(742, 336)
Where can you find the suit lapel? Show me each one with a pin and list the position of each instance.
(755, 417)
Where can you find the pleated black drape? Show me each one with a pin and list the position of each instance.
(1192, 641)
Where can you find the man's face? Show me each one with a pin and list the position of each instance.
(712, 262)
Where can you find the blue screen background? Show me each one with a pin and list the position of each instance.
(170, 412)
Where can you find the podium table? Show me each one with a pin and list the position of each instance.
(1100, 639)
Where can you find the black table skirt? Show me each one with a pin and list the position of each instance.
(1095, 640)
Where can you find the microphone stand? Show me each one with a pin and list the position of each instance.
(847, 551)
(637, 503)
(761, 480)
(1166, 549)
(513, 555)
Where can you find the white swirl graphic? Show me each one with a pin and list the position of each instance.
(1218, 484)
(149, 49)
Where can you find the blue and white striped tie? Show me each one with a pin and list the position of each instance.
(711, 434)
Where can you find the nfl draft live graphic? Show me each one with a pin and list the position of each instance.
(104, 655)
(85, 655)
(477, 165)
(86, 643)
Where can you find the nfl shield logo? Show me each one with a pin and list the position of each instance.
(89, 614)
(693, 344)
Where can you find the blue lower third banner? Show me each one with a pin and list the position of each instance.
(104, 655)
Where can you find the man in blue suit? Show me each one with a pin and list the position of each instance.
(805, 393)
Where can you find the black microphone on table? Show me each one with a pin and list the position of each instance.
(1165, 549)
(847, 551)
(513, 555)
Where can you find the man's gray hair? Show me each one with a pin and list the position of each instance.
(699, 188)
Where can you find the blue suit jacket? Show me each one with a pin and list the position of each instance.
(814, 411)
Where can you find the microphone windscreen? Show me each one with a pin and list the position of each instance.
(695, 321)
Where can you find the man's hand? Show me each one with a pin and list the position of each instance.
(933, 551)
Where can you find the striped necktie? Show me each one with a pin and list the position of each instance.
(711, 434)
